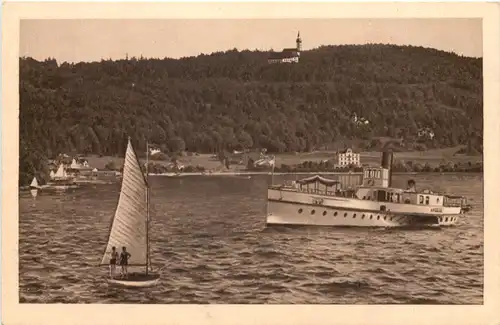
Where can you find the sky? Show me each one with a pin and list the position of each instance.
(79, 40)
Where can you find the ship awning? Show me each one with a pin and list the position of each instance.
(454, 197)
(319, 179)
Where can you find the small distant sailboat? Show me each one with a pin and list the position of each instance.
(61, 173)
(34, 184)
(34, 187)
(130, 225)
(52, 174)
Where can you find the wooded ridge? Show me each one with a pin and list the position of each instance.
(422, 98)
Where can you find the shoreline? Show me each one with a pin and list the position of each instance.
(433, 157)
(252, 173)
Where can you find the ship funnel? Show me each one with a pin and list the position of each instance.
(387, 158)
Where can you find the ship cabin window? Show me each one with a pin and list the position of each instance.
(394, 197)
(389, 197)
(372, 174)
(421, 199)
(427, 200)
(381, 196)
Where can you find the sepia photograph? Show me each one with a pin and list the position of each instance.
(273, 160)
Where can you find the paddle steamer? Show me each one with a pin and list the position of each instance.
(372, 203)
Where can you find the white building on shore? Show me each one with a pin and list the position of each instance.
(348, 158)
(154, 151)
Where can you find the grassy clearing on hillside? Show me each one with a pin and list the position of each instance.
(433, 157)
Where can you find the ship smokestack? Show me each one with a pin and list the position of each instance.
(387, 158)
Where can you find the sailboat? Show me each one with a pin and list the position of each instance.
(34, 184)
(61, 180)
(60, 173)
(34, 187)
(130, 225)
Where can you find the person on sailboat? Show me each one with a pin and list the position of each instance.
(124, 256)
(112, 262)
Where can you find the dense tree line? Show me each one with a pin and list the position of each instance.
(234, 100)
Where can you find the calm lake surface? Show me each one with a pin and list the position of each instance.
(209, 238)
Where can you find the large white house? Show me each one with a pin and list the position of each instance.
(348, 157)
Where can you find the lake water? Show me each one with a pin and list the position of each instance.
(209, 238)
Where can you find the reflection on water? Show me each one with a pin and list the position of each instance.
(210, 241)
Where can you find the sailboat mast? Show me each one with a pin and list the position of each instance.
(147, 208)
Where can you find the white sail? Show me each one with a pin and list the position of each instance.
(129, 227)
(61, 173)
(52, 174)
(34, 183)
(74, 164)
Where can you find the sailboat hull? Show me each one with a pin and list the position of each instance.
(136, 280)
(34, 192)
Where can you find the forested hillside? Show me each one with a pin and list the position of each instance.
(233, 100)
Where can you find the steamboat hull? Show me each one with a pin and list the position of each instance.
(348, 213)
(282, 213)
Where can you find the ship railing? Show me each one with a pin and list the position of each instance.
(339, 193)
(455, 201)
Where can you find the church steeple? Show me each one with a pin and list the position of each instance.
(299, 42)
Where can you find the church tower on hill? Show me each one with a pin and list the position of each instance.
(299, 43)
(289, 55)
